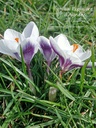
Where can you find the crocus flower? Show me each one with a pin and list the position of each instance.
(27, 40)
(70, 56)
(46, 50)
(13, 41)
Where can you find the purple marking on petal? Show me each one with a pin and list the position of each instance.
(61, 60)
(89, 66)
(47, 50)
(17, 56)
(74, 66)
(54, 50)
(78, 66)
(28, 52)
(67, 63)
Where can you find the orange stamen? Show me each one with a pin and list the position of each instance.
(17, 40)
(75, 47)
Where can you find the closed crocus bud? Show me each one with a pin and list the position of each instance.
(52, 93)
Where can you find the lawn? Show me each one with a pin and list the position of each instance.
(73, 103)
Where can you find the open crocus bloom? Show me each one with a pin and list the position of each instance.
(46, 49)
(27, 40)
(70, 56)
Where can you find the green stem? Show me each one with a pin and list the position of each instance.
(48, 63)
(30, 76)
(52, 90)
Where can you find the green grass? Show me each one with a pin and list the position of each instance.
(75, 104)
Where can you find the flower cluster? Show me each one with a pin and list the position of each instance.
(70, 56)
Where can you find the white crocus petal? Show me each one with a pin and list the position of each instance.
(90, 64)
(46, 49)
(73, 57)
(55, 47)
(11, 34)
(5, 49)
(10, 44)
(83, 55)
(31, 31)
(86, 55)
(62, 42)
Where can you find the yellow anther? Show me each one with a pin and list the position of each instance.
(75, 47)
(17, 40)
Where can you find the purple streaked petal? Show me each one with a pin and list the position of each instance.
(68, 62)
(74, 66)
(62, 61)
(45, 47)
(89, 65)
(53, 55)
(28, 52)
(52, 42)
